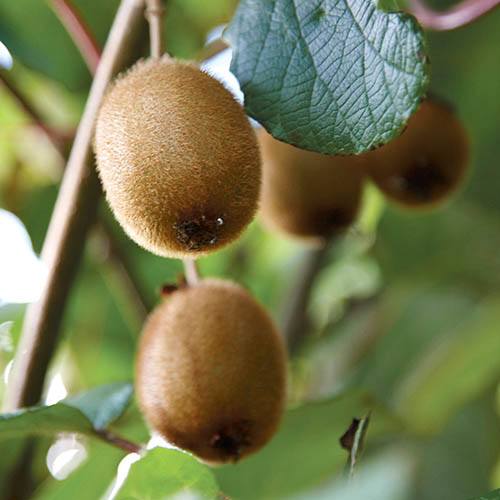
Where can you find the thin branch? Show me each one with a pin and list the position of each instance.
(128, 283)
(117, 258)
(117, 441)
(191, 272)
(295, 322)
(459, 15)
(154, 15)
(76, 27)
(55, 137)
(72, 217)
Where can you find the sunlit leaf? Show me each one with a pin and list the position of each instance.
(164, 473)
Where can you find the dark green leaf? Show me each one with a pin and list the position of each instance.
(103, 405)
(85, 413)
(163, 473)
(334, 76)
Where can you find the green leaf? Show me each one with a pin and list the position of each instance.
(44, 420)
(494, 495)
(90, 480)
(306, 451)
(333, 76)
(92, 410)
(103, 405)
(163, 473)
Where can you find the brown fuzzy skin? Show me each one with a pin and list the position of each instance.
(211, 371)
(177, 158)
(306, 194)
(427, 163)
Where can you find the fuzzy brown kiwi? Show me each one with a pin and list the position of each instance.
(427, 163)
(306, 194)
(178, 159)
(211, 371)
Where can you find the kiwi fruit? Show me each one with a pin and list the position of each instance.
(308, 195)
(211, 371)
(427, 163)
(177, 158)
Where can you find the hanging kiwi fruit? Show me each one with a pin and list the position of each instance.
(211, 371)
(177, 158)
(427, 163)
(308, 195)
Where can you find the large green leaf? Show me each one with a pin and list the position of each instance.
(163, 473)
(334, 76)
(305, 452)
(84, 414)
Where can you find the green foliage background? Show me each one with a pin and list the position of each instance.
(406, 311)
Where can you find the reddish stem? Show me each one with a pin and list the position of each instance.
(461, 14)
(57, 138)
(79, 32)
(118, 441)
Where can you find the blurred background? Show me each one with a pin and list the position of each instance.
(405, 311)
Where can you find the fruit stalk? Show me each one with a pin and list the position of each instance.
(294, 319)
(154, 14)
(459, 15)
(72, 217)
(191, 272)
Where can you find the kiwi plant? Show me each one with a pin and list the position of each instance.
(427, 163)
(210, 373)
(178, 159)
(306, 194)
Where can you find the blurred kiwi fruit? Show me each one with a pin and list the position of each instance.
(427, 163)
(177, 158)
(308, 195)
(211, 371)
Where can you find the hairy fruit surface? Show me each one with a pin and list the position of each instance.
(427, 162)
(178, 160)
(211, 371)
(306, 194)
